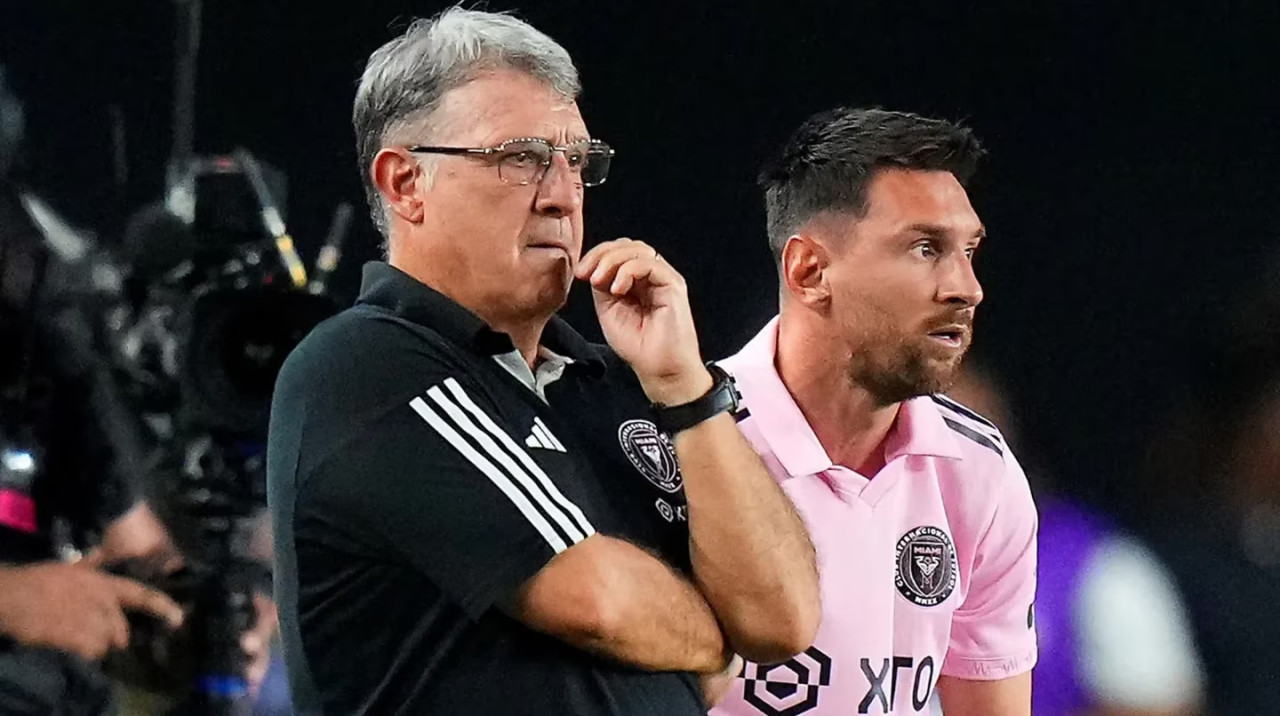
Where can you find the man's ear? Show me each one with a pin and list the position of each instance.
(803, 270)
(396, 174)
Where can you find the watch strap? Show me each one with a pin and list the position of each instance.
(723, 397)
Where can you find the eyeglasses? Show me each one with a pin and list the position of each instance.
(525, 160)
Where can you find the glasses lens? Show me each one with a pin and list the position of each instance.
(521, 162)
(595, 163)
(575, 155)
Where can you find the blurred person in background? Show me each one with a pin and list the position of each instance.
(56, 479)
(1113, 633)
(1214, 487)
(71, 511)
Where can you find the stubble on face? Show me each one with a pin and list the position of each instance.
(893, 365)
(903, 292)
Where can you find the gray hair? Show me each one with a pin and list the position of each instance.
(406, 79)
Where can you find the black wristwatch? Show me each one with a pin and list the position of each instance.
(722, 397)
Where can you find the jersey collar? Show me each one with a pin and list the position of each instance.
(387, 287)
(918, 429)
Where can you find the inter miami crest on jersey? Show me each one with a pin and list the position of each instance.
(652, 453)
(926, 566)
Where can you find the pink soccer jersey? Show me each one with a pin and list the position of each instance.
(927, 569)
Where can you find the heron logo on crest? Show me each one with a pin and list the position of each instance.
(651, 453)
(926, 569)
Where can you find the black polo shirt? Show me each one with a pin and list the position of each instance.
(416, 484)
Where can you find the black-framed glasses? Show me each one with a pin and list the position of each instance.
(525, 160)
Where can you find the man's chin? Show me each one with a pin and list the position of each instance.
(940, 376)
(924, 378)
(550, 296)
(937, 384)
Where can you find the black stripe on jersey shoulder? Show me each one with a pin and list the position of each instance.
(741, 415)
(985, 441)
(949, 403)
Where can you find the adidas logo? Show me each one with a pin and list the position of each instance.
(541, 437)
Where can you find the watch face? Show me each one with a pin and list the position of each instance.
(722, 376)
(737, 397)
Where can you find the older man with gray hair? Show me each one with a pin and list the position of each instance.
(478, 511)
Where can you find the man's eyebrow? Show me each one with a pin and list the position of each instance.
(939, 230)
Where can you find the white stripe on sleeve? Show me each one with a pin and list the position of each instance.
(496, 476)
(520, 454)
(538, 489)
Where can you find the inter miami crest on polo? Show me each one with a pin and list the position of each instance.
(652, 453)
(926, 566)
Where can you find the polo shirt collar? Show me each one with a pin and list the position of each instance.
(560, 337)
(387, 287)
(918, 429)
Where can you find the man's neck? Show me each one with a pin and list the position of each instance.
(848, 421)
(525, 336)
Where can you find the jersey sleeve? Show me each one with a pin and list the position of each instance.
(993, 632)
(439, 483)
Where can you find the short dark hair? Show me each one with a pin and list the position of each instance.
(827, 164)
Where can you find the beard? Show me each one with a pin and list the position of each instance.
(896, 369)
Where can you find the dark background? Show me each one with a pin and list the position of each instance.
(1130, 194)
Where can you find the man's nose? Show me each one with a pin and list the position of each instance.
(960, 284)
(560, 191)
